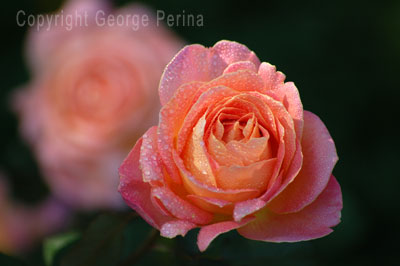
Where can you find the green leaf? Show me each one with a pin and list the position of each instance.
(55, 244)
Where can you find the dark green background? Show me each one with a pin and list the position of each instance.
(344, 57)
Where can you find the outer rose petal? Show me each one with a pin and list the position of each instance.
(210, 232)
(171, 117)
(272, 78)
(232, 52)
(190, 64)
(286, 93)
(135, 192)
(319, 158)
(289, 95)
(150, 161)
(312, 222)
(180, 208)
(197, 63)
(176, 227)
(241, 65)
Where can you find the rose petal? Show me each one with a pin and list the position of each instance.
(171, 117)
(197, 188)
(256, 105)
(272, 78)
(221, 154)
(211, 204)
(135, 192)
(319, 159)
(254, 176)
(232, 52)
(196, 157)
(150, 160)
(288, 94)
(249, 127)
(284, 118)
(279, 183)
(241, 65)
(312, 222)
(180, 208)
(192, 63)
(210, 232)
(242, 80)
(252, 151)
(176, 227)
(232, 132)
(221, 88)
(207, 99)
(244, 208)
(197, 63)
(219, 117)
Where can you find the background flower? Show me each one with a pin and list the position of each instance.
(93, 92)
(233, 150)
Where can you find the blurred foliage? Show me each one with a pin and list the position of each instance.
(53, 245)
(345, 59)
(9, 261)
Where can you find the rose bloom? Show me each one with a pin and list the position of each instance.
(233, 150)
(92, 94)
(21, 225)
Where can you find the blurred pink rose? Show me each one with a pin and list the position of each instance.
(93, 93)
(233, 150)
(21, 225)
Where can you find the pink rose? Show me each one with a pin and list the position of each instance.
(93, 93)
(233, 150)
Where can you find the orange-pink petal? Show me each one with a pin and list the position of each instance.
(232, 52)
(210, 97)
(312, 222)
(288, 94)
(196, 158)
(272, 78)
(176, 227)
(319, 158)
(172, 116)
(241, 65)
(197, 63)
(150, 161)
(221, 154)
(211, 204)
(180, 208)
(210, 232)
(135, 192)
(251, 151)
(253, 176)
(195, 187)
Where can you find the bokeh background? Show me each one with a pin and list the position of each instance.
(344, 57)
